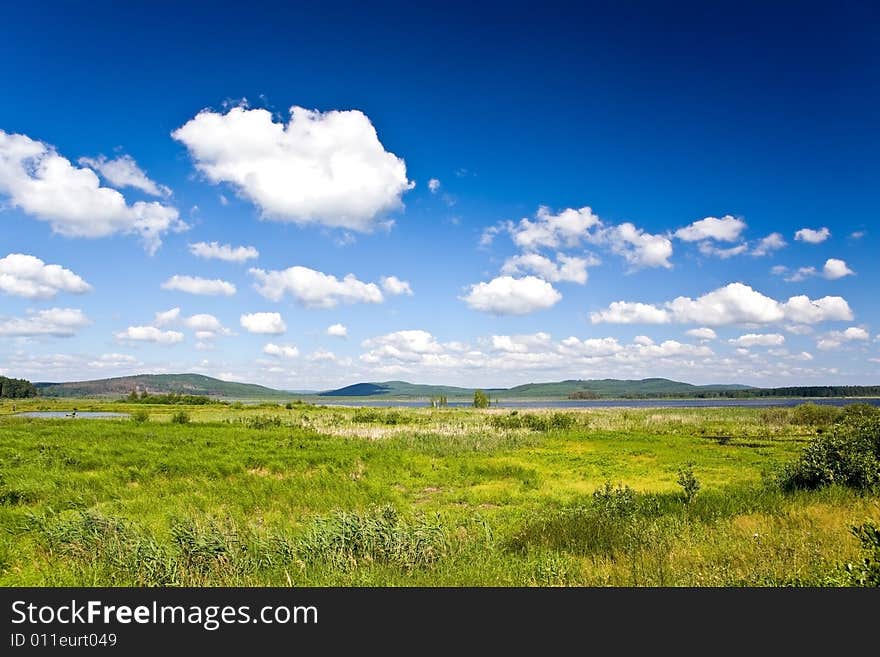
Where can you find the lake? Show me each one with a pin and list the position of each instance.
(96, 415)
(765, 402)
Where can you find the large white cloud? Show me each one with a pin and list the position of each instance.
(227, 252)
(566, 268)
(725, 229)
(834, 339)
(27, 276)
(48, 187)
(506, 295)
(735, 303)
(123, 171)
(55, 322)
(149, 334)
(327, 168)
(314, 289)
(702, 333)
(337, 331)
(198, 285)
(206, 326)
(264, 323)
(812, 236)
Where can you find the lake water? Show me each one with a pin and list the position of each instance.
(67, 414)
(765, 402)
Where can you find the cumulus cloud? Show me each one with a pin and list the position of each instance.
(506, 295)
(835, 269)
(197, 285)
(567, 228)
(337, 330)
(767, 245)
(322, 355)
(281, 350)
(759, 340)
(27, 276)
(709, 249)
(227, 252)
(703, 333)
(566, 268)
(123, 171)
(206, 326)
(325, 168)
(735, 303)
(48, 187)
(394, 286)
(314, 289)
(725, 229)
(149, 334)
(835, 339)
(112, 361)
(265, 323)
(54, 322)
(812, 236)
(639, 248)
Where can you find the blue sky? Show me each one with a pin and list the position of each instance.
(619, 191)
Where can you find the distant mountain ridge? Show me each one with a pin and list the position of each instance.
(190, 384)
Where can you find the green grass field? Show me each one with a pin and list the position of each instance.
(266, 495)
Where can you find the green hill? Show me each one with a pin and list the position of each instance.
(190, 384)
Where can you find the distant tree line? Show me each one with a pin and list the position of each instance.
(170, 398)
(745, 393)
(16, 388)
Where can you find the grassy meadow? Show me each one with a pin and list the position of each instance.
(254, 495)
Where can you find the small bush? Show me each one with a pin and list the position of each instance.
(140, 416)
(688, 481)
(815, 415)
(481, 399)
(262, 422)
(533, 421)
(618, 502)
(180, 417)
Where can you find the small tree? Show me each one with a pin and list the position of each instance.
(688, 482)
(481, 399)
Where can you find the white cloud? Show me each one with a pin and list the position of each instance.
(265, 323)
(314, 289)
(643, 340)
(28, 276)
(327, 168)
(835, 269)
(766, 245)
(506, 295)
(167, 317)
(50, 188)
(709, 249)
(834, 339)
(703, 333)
(394, 286)
(149, 334)
(725, 229)
(812, 236)
(434, 185)
(227, 252)
(337, 330)
(638, 248)
(281, 350)
(567, 228)
(206, 326)
(55, 322)
(322, 355)
(197, 285)
(735, 303)
(123, 171)
(759, 340)
(630, 312)
(566, 268)
(112, 361)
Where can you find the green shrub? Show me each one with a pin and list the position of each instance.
(815, 415)
(867, 573)
(140, 416)
(618, 502)
(481, 399)
(180, 417)
(849, 455)
(688, 481)
(262, 422)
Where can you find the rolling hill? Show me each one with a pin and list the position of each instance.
(191, 384)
